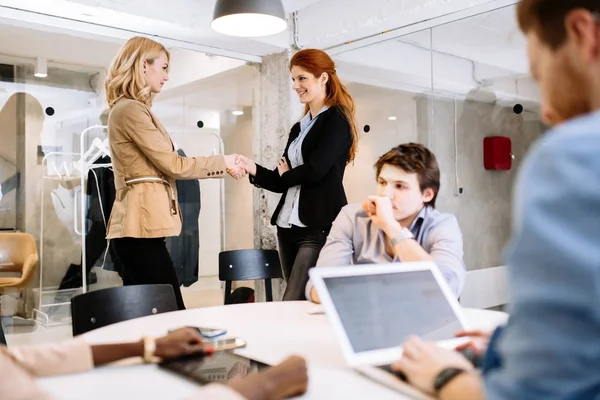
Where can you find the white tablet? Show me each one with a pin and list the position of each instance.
(374, 308)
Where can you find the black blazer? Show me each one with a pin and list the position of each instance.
(325, 151)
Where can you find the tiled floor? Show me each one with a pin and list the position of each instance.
(20, 332)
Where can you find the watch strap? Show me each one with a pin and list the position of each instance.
(445, 376)
(403, 234)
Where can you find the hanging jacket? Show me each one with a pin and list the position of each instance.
(185, 247)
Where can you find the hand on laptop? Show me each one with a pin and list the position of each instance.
(422, 361)
(479, 343)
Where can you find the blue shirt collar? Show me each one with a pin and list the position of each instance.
(306, 120)
(416, 224)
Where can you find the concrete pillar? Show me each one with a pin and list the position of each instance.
(275, 109)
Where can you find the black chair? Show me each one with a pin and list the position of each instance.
(249, 265)
(108, 306)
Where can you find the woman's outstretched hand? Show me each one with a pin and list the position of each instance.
(249, 165)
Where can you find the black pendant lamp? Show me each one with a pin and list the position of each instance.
(249, 18)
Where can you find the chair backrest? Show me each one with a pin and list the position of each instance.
(485, 288)
(18, 255)
(108, 306)
(15, 247)
(248, 265)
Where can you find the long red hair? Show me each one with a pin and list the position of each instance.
(316, 62)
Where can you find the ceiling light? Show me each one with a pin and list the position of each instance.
(392, 118)
(237, 112)
(249, 18)
(41, 67)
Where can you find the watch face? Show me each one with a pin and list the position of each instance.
(404, 234)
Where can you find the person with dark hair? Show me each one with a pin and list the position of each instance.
(311, 171)
(399, 223)
(549, 349)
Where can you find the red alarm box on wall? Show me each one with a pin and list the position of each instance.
(497, 153)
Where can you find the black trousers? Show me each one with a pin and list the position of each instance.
(2, 337)
(95, 245)
(147, 262)
(299, 250)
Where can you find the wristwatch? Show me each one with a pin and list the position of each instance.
(405, 233)
(445, 377)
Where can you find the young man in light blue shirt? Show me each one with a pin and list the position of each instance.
(399, 223)
(550, 348)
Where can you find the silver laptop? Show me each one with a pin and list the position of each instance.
(375, 308)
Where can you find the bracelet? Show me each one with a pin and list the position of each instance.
(149, 349)
(445, 376)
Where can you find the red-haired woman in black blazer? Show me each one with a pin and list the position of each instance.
(311, 171)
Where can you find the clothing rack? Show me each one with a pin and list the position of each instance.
(40, 312)
(79, 227)
(87, 167)
(50, 302)
(84, 170)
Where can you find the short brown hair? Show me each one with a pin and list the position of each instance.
(414, 158)
(547, 17)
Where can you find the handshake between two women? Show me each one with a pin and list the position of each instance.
(239, 166)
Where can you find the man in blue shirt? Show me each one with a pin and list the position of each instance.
(400, 223)
(550, 348)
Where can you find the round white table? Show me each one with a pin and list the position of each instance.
(272, 331)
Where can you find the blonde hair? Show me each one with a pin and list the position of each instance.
(126, 77)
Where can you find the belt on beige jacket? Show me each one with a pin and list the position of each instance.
(165, 182)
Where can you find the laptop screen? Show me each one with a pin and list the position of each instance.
(381, 311)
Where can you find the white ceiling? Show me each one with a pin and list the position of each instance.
(66, 49)
(491, 38)
(322, 23)
(485, 51)
(467, 52)
(187, 21)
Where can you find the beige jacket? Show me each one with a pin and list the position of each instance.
(146, 166)
(19, 366)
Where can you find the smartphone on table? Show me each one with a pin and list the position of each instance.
(207, 333)
(210, 333)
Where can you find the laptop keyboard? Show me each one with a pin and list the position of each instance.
(388, 368)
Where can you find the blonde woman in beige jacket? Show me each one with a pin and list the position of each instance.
(21, 365)
(146, 166)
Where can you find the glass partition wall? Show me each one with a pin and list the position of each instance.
(483, 89)
(206, 106)
(391, 85)
(450, 87)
